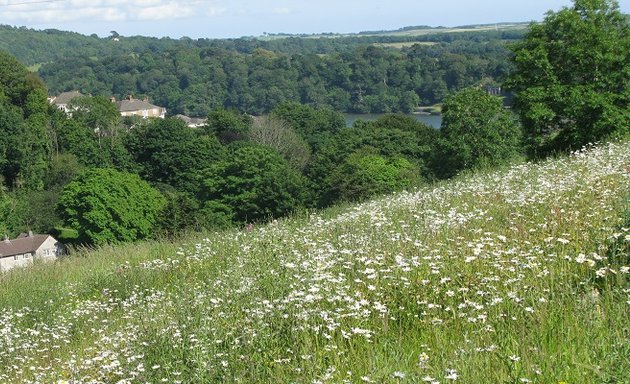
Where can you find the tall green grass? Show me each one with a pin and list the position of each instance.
(513, 276)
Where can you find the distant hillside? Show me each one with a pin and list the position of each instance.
(370, 72)
(34, 47)
(512, 276)
(414, 31)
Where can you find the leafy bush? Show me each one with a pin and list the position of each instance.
(571, 77)
(365, 174)
(108, 206)
(476, 132)
(255, 183)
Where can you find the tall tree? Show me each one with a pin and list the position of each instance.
(364, 174)
(276, 133)
(107, 206)
(24, 143)
(167, 151)
(572, 77)
(255, 183)
(476, 131)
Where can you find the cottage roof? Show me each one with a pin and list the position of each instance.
(191, 120)
(21, 245)
(184, 117)
(128, 105)
(65, 97)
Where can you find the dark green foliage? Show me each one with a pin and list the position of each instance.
(365, 174)
(477, 131)
(183, 213)
(33, 211)
(167, 151)
(254, 76)
(254, 183)
(82, 142)
(572, 77)
(108, 206)
(98, 114)
(5, 209)
(309, 122)
(63, 169)
(24, 143)
(227, 126)
(390, 137)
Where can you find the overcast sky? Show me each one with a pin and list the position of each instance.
(236, 18)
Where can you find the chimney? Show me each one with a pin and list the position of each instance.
(112, 99)
(6, 239)
(30, 233)
(146, 98)
(129, 97)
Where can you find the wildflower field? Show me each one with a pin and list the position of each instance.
(514, 276)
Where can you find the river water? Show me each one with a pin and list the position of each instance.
(431, 120)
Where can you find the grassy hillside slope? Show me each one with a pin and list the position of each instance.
(515, 276)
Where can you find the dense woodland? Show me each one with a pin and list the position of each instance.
(193, 77)
(97, 178)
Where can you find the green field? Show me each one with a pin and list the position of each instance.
(409, 32)
(517, 275)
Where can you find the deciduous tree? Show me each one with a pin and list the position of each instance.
(365, 174)
(255, 183)
(107, 206)
(276, 133)
(476, 131)
(572, 77)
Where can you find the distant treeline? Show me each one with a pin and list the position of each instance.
(32, 46)
(193, 77)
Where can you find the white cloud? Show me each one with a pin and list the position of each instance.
(171, 10)
(61, 16)
(104, 10)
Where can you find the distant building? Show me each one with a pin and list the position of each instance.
(494, 91)
(63, 99)
(136, 107)
(26, 248)
(192, 122)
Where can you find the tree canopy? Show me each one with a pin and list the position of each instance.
(254, 183)
(572, 76)
(476, 131)
(108, 206)
(24, 143)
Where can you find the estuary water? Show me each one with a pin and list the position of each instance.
(431, 120)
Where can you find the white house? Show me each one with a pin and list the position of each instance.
(27, 247)
(63, 99)
(135, 107)
(192, 122)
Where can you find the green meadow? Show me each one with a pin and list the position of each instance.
(517, 275)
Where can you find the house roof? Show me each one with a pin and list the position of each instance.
(134, 105)
(21, 245)
(191, 120)
(65, 97)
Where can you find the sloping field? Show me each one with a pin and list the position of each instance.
(515, 276)
(410, 32)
